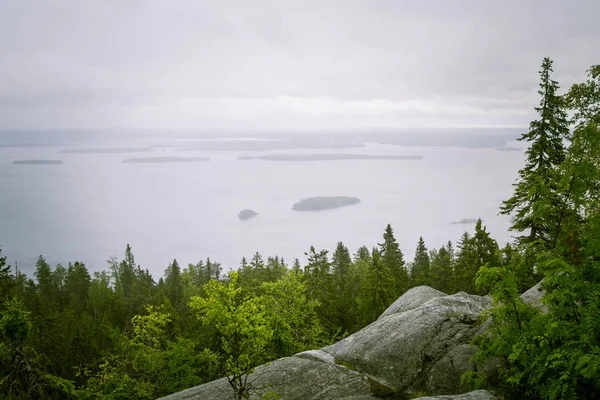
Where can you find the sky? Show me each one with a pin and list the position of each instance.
(188, 64)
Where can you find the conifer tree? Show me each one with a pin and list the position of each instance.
(174, 285)
(392, 257)
(535, 198)
(421, 267)
(442, 268)
(377, 291)
(341, 265)
(319, 285)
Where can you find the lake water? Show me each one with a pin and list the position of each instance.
(90, 207)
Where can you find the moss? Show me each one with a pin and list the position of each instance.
(345, 364)
(378, 389)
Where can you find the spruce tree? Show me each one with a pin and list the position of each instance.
(319, 285)
(341, 265)
(377, 291)
(535, 196)
(442, 268)
(421, 267)
(174, 285)
(392, 257)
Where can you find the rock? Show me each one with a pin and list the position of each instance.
(420, 345)
(324, 203)
(412, 298)
(317, 355)
(476, 395)
(292, 378)
(247, 214)
(400, 351)
(534, 295)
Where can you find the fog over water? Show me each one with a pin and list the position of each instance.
(91, 206)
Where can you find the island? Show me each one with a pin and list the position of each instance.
(324, 203)
(159, 160)
(465, 221)
(107, 150)
(37, 162)
(507, 149)
(328, 157)
(247, 214)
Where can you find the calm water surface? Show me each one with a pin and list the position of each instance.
(89, 208)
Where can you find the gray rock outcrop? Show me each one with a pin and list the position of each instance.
(419, 345)
(411, 299)
(534, 295)
(475, 395)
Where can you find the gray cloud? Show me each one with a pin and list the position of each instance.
(185, 64)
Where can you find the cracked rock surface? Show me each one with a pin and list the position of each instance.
(420, 346)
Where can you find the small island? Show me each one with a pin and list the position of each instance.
(160, 160)
(37, 162)
(465, 221)
(247, 214)
(324, 203)
(328, 157)
(507, 149)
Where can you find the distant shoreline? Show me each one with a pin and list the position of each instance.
(107, 150)
(164, 160)
(328, 157)
(37, 162)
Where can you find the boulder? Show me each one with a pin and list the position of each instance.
(415, 350)
(412, 298)
(292, 378)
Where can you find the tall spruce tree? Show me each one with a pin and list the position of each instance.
(341, 265)
(174, 285)
(377, 291)
(420, 272)
(393, 259)
(319, 285)
(442, 268)
(535, 198)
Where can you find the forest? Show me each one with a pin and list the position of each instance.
(121, 334)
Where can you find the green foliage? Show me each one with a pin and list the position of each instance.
(378, 289)
(244, 330)
(23, 372)
(552, 353)
(420, 273)
(442, 268)
(292, 317)
(393, 259)
(535, 196)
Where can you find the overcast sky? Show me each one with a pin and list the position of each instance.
(283, 64)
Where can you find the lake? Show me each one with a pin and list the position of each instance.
(91, 206)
